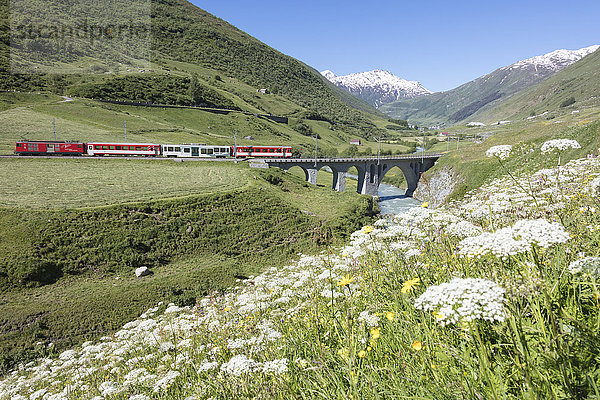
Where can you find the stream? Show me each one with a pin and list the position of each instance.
(393, 201)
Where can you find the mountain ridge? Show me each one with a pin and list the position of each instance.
(485, 92)
(377, 87)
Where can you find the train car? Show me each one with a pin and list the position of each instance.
(195, 150)
(123, 149)
(40, 147)
(262, 151)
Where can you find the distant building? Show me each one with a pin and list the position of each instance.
(355, 141)
(264, 91)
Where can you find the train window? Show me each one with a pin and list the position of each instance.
(97, 147)
(169, 148)
(79, 146)
(111, 147)
(210, 151)
(186, 149)
(104, 147)
(202, 151)
(138, 148)
(145, 148)
(118, 147)
(177, 149)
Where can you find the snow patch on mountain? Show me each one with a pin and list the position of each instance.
(378, 86)
(554, 61)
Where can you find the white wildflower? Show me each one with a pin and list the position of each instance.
(560, 145)
(501, 151)
(540, 232)
(165, 382)
(463, 229)
(587, 265)
(463, 300)
(109, 388)
(412, 253)
(139, 397)
(208, 365)
(239, 365)
(500, 244)
(276, 367)
(368, 318)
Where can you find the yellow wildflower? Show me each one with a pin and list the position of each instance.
(375, 333)
(425, 204)
(390, 315)
(367, 229)
(409, 285)
(416, 345)
(344, 353)
(362, 354)
(345, 281)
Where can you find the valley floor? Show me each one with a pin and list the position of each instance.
(494, 296)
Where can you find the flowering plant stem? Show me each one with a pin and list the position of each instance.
(484, 359)
(518, 183)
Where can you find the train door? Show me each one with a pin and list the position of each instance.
(195, 152)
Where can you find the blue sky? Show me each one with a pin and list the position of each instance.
(442, 44)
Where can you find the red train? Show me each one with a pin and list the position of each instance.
(193, 150)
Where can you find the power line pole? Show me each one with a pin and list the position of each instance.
(54, 128)
(379, 151)
(316, 138)
(125, 126)
(458, 141)
(235, 147)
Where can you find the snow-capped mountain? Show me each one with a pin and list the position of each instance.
(485, 92)
(554, 61)
(377, 87)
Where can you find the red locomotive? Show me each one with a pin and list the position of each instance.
(32, 147)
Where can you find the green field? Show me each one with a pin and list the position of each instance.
(75, 231)
(75, 183)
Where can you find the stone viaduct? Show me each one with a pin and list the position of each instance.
(371, 170)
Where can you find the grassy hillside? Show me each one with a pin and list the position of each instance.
(473, 167)
(67, 274)
(182, 40)
(29, 116)
(473, 100)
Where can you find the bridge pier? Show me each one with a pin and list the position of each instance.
(311, 175)
(339, 180)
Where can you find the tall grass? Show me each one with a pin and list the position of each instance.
(514, 313)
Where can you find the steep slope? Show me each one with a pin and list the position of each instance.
(377, 87)
(484, 92)
(568, 90)
(183, 40)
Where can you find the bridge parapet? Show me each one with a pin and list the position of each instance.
(371, 170)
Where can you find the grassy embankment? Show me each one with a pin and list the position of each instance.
(73, 231)
(473, 168)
